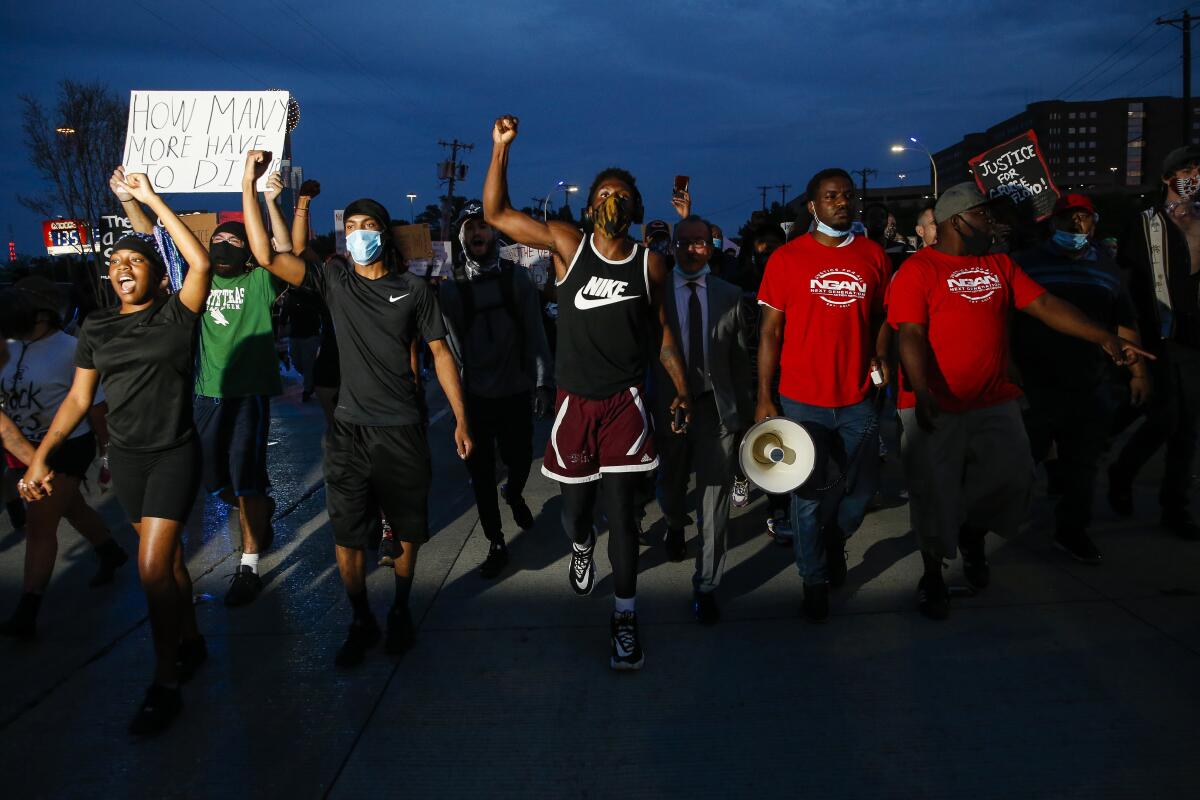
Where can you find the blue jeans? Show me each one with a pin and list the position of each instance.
(838, 435)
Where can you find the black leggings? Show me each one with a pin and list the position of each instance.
(620, 495)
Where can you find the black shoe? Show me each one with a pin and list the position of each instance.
(704, 606)
(192, 653)
(159, 708)
(245, 587)
(581, 572)
(976, 569)
(933, 598)
(521, 513)
(497, 559)
(816, 602)
(675, 545)
(109, 563)
(1120, 493)
(400, 632)
(1180, 523)
(1078, 545)
(626, 647)
(835, 555)
(361, 638)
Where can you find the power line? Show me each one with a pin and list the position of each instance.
(1083, 79)
(1123, 75)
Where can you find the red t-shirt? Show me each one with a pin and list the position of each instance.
(827, 296)
(964, 302)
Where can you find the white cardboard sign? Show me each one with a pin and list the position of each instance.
(197, 141)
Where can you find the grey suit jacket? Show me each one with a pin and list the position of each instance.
(728, 356)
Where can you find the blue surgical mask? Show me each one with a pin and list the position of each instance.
(691, 276)
(828, 231)
(716, 243)
(1070, 241)
(364, 246)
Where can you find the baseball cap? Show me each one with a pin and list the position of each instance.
(1070, 201)
(656, 227)
(957, 199)
(1180, 157)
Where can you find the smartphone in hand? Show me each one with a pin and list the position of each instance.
(681, 185)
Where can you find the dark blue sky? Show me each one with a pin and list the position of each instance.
(734, 94)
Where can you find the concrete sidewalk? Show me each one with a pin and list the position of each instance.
(1060, 680)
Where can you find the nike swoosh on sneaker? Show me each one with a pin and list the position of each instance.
(584, 303)
(401, 297)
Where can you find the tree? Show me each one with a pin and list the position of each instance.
(74, 146)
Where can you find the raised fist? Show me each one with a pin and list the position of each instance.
(138, 185)
(257, 162)
(310, 188)
(505, 129)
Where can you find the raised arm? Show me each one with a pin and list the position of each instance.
(132, 208)
(36, 483)
(281, 233)
(308, 190)
(560, 238)
(194, 292)
(285, 266)
(668, 352)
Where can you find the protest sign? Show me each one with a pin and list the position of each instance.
(66, 237)
(339, 233)
(1017, 170)
(440, 266)
(537, 261)
(112, 228)
(414, 241)
(201, 224)
(197, 141)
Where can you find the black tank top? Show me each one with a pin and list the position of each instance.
(603, 322)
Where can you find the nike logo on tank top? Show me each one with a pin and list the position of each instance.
(603, 323)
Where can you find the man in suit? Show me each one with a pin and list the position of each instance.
(708, 319)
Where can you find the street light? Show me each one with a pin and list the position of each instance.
(65, 130)
(411, 219)
(900, 148)
(562, 186)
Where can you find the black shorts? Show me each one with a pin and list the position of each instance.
(369, 469)
(162, 483)
(233, 443)
(73, 457)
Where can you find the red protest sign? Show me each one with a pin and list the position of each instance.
(1017, 170)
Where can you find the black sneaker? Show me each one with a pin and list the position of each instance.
(109, 563)
(192, 653)
(582, 570)
(400, 632)
(1180, 523)
(159, 708)
(626, 648)
(521, 513)
(1120, 493)
(245, 587)
(835, 555)
(933, 598)
(1078, 545)
(675, 545)
(704, 606)
(497, 559)
(976, 569)
(361, 638)
(816, 602)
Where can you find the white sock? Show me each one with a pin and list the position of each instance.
(625, 604)
(250, 560)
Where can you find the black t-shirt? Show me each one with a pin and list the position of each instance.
(145, 360)
(1092, 283)
(376, 322)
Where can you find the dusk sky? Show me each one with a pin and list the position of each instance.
(734, 94)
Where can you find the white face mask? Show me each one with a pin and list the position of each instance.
(1187, 188)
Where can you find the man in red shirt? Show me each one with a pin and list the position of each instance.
(966, 455)
(822, 307)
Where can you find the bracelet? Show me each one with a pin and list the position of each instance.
(300, 209)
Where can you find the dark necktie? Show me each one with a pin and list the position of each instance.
(695, 359)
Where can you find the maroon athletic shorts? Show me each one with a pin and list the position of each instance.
(592, 437)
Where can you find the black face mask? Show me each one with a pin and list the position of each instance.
(225, 253)
(977, 243)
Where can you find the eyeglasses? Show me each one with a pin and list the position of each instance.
(693, 244)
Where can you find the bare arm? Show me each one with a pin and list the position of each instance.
(770, 340)
(447, 375)
(560, 238)
(883, 349)
(285, 266)
(1065, 318)
(914, 357)
(74, 408)
(308, 190)
(98, 419)
(196, 283)
(281, 232)
(14, 441)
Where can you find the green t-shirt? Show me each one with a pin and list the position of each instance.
(237, 346)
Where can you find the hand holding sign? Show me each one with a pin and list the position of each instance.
(274, 187)
(257, 162)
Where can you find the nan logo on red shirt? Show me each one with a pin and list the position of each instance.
(976, 284)
(838, 287)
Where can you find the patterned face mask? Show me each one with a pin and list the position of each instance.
(614, 216)
(1187, 187)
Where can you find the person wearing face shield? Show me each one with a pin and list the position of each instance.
(611, 317)
(1161, 251)
(964, 447)
(1065, 380)
(497, 336)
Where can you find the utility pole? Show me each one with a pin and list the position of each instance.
(450, 172)
(864, 173)
(764, 190)
(1184, 24)
(782, 187)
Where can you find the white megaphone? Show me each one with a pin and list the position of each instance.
(777, 455)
